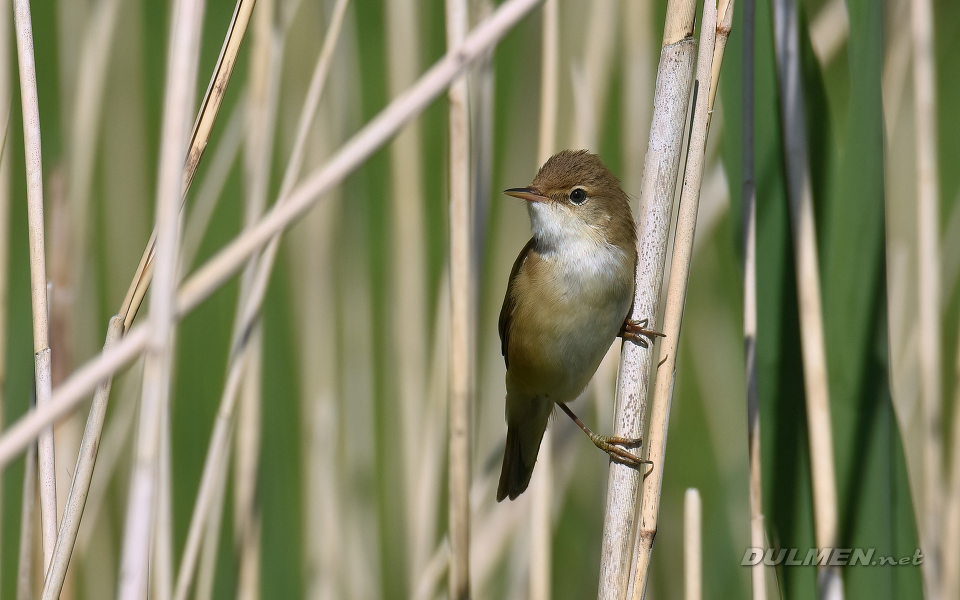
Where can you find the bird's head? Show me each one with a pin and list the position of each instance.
(574, 197)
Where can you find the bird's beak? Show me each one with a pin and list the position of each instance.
(527, 193)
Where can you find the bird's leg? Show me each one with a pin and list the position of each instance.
(636, 331)
(609, 444)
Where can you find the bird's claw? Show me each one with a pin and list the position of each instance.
(611, 445)
(636, 331)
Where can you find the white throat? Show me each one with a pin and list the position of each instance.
(563, 237)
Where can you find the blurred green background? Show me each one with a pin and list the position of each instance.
(333, 489)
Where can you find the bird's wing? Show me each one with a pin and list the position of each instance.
(506, 311)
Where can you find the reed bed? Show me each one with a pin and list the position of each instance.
(310, 389)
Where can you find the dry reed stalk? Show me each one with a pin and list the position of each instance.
(28, 517)
(482, 87)
(928, 305)
(356, 150)
(255, 284)
(211, 541)
(724, 25)
(676, 297)
(800, 193)
(950, 585)
(311, 251)
(83, 475)
(541, 525)
(161, 557)
(71, 393)
(433, 572)
(461, 315)
(661, 164)
(431, 474)
(211, 188)
(246, 509)
(267, 46)
(141, 513)
(206, 117)
(104, 25)
(38, 269)
(113, 449)
(692, 544)
(749, 193)
(215, 272)
(408, 272)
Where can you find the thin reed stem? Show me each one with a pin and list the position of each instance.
(28, 519)
(161, 559)
(749, 194)
(211, 540)
(800, 193)
(461, 315)
(183, 52)
(692, 544)
(215, 272)
(38, 269)
(267, 48)
(206, 117)
(676, 298)
(83, 475)
(661, 164)
(252, 299)
(409, 280)
(541, 524)
(211, 188)
(928, 290)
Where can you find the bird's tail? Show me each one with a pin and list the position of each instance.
(519, 458)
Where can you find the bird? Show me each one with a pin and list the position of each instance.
(568, 297)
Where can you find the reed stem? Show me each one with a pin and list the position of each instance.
(676, 298)
(800, 193)
(38, 270)
(461, 314)
(661, 164)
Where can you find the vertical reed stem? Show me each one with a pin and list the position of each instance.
(38, 269)
(928, 289)
(676, 297)
(141, 504)
(749, 194)
(661, 164)
(786, 39)
(28, 518)
(409, 279)
(461, 290)
(540, 521)
(692, 545)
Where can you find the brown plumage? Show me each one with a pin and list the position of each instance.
(567, 296)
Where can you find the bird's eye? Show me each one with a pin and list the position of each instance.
(578, 196)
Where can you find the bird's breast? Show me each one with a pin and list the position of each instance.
(569, 307)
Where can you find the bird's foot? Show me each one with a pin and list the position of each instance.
(609, 444)
(636, 331)
(612, 446)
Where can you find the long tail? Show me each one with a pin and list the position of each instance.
(519, 458)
